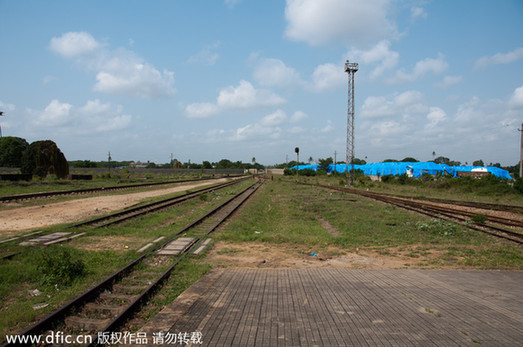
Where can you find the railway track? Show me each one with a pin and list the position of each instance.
(108, 305)
(121, 216)
(137, 211)
(493, 225)
(43, 195)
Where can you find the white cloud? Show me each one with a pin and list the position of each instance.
(55, 114)
(328, 128)
(256, 131)
(296, 130)
(141, 80)
(201, 110)
(418, 12)
(298, 116)
(429, 65)
(117, 71)
(516, 100)
(277, 118)
(274, 72)
(449, 81)
(327, 77)
(380, 54)
(246, 96)
(207, 55)
(6, 107)
(74, 44)
(404, 104)
(319, 22)
(435, 116)
(500, 58)
(93, 117)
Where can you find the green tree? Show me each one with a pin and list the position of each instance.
(324, 163)
(478, 163)
(44, 157)
(442, 160)
(410, 160)
(11, 151)
(225, 164)
(84, 164)
(358, 161)
(207, 165)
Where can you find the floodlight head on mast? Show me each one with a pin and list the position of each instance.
(351, 67)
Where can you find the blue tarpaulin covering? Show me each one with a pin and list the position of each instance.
(412, 169)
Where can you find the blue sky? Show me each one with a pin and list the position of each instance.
(236, 79)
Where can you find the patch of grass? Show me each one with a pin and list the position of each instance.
(20, 277)
(284, 212)
(229, 251)
(59, 266)
(478, 218)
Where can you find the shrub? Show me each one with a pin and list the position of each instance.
(478, 218)
(388, 178)
(58, 266)
(437, 226)
(518, 185)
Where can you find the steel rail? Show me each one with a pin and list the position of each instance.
(57, 316)
(151, 207)
(94, 190)
(430, 211)
(131, 308)
(474, 204)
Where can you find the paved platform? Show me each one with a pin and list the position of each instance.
(342, 307)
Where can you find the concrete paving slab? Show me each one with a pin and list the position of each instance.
(346, 307)
(45, 239)
(176, 246)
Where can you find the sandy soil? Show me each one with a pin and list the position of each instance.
(33, 217)
(255, 255)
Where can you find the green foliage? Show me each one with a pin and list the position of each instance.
(324, 163)
(438, 227)
(303, 172)
(357, 161)
(478, 163)
(84, 164)
(410, 160)
(388, 178)
(11, 151)
(478, 218)
(44, 157)
(518, 185)
(58, 266)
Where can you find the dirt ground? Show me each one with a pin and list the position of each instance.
(255, 255)
(14, 220)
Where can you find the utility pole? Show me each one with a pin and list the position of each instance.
(350, 68)
(521, 153)
(109, 162)
(334, 161)
(297, 150)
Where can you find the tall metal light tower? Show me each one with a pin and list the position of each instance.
(350, 68)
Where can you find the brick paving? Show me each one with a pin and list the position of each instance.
(346, 307)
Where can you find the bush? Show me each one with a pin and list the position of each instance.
(518, 185)
(478, 218)
(58, 266)
(438, 226)
(388, 178)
